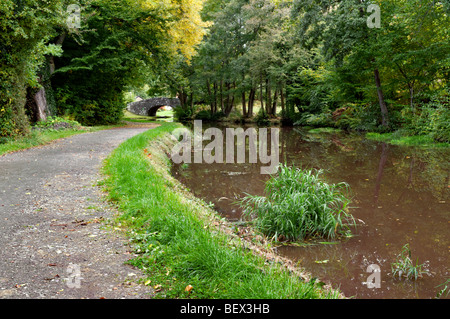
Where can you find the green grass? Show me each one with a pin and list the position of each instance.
(299, 205)
(42, 137)
(177, 237)
(397, 138)
(35, 139)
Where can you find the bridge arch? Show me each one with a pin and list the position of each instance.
(148, 107)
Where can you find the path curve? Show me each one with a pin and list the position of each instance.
(52, 223)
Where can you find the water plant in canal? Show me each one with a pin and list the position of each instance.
(405, 266)
(299, 205)
(444, 292)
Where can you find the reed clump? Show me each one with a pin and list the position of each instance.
(300, 205)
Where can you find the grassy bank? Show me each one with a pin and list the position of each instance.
(186, 250)
(42, 137)
(45, 134)
(397, 138)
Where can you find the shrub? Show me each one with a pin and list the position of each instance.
(262, 119)
(206, 115)
(298, 205)
(432, 118)
(183, 114)
(90, 110)
(316, 120)
(57, 123)
(359, 117)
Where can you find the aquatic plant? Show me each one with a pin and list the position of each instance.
(299, 205)
(445, 290)
(405, 266)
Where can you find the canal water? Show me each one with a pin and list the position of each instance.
(400, 195)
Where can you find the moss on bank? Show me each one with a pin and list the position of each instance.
(184, 247)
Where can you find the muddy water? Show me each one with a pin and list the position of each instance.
(400, 195)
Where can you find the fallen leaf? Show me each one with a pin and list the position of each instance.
(157, 288)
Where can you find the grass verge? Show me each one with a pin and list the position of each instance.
(43, 137)
(186, 250)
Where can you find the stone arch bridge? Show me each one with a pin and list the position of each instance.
(149, 107)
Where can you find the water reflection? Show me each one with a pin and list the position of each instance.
(400, 195)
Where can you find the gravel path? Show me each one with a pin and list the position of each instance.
(54, 240)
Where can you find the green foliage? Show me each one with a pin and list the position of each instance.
(433, 119)
(404, 265)
(183, 114)
(315, 120)
(412, 58)
(7, 125)
(88, 109)
(93, 72)
(206, 115)
(121, 45)
(26, 26)
(57, 123)
(359, 117)
(262, 118)
(299, 205)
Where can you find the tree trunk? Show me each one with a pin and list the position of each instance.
(261, 94)
(36, 104)
(215, 97)
(268, 97)
(251, 101)
(41, 105)
(411, 96)
(282, 98)
(229, 100)
(221, 96)
(244, 107)
(182, 96)
(275, 102)
(384, 111)
(211, 97)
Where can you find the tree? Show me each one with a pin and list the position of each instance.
(123, 42)
(27, 27)
(410, 47)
